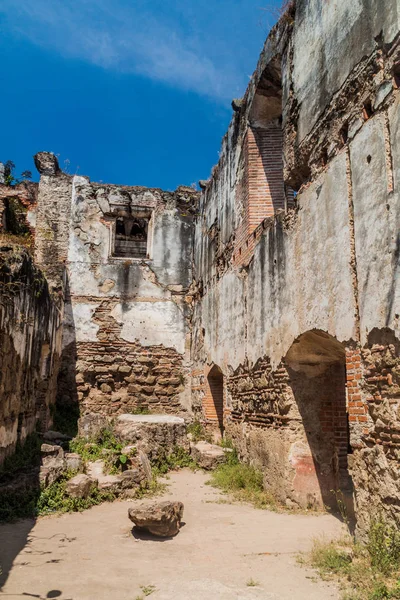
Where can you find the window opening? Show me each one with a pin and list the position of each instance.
(131, 237)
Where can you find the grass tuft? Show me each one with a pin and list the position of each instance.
(198, 432)
(252, 583)
(243, 482)
(370, 572)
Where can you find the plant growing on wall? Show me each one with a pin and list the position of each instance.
(9, 174)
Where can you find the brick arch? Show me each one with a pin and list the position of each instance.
(214, 398)
(316, 365)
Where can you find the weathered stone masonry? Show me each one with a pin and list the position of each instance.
(293, 304)
(127, 255)
(268, 306)
(30, 349)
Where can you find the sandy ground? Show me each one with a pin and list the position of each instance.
(95, 556)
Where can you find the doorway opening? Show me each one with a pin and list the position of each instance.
(214, 405)
(317, 371)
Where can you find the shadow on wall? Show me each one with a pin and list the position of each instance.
(67, 410)
(19, 475)
(317, 371)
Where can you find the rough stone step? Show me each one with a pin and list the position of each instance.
(95, 469)
(152, 434)
(208, 456)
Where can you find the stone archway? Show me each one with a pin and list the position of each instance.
(316, 364)
(214, 398)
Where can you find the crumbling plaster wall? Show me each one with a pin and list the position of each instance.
(30, 348)
(126, 332)
(329, 40)
(331, 264)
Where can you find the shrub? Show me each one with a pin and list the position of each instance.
(20, 504)
(55, 499)
(242, 481)
(370, 572)
(105, 446)
(384, 547)
(329, 558)
(32, 502)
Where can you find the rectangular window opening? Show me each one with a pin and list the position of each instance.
(132, 236)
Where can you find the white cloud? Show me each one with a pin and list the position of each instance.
(122, 35)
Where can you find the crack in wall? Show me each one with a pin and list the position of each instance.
(353, 254)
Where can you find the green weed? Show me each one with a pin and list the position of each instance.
(177, 459)
(140, 410)
(105, 446)
(370, 572)
(328, 558)
(384, 547)
(243, 482)
(198, 432)
(148, 589)
(55, 499)
(252, 583)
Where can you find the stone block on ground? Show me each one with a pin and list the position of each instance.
(80, 486)
(91, 424)
(73, 461)
(49, 451)
(95, 469)
(132, 478)
(53, 464)
(152, 434)
(159, 518)
(208, 456)
(146, 466)
(110, 483)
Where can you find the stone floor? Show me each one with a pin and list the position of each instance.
(95, 556)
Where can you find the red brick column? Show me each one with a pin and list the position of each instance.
(357, 407)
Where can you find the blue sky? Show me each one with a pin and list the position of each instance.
(134, 92)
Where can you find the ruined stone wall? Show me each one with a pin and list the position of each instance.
(126, 327)
(30, 348)
(328, 267)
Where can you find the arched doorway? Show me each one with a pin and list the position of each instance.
(214, 401)
(317, 376)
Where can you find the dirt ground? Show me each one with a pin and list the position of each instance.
(222, 547)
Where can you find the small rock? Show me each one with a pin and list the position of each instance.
(95, 469)
(208, 456)
(290, 504)
(91, 425)
(129, 450)
(132, 478)
(46, 163)
(51, 451)
(110, 483)
(51, 470)
(159, 518)
(73, 461)
(146, 466)
(80, 486)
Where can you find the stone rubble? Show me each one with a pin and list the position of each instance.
(162, 519)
